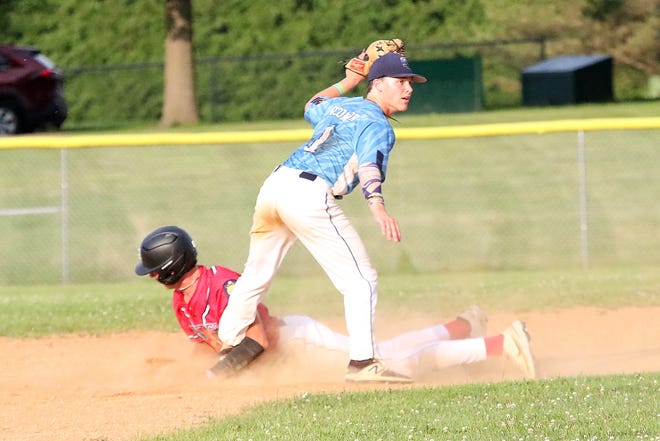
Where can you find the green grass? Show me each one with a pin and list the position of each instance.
(582, 408)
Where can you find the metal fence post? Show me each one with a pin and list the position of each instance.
(64, 213)
(542, 54)
(213, 84)
(582, 184)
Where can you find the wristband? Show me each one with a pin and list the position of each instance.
(340, 88)
(375, 198)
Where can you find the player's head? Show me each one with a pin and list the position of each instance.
(169, 252)
(390, 83)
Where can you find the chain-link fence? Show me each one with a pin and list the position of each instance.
(501, 202)
(269, 86)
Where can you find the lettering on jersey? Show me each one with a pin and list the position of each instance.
(318, 100)
(199, 329)
(343, 114)
(314, 143)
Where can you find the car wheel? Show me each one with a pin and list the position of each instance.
(10, 120)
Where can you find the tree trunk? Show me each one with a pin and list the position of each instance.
(180, 103)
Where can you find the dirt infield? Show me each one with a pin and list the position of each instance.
(116, 387)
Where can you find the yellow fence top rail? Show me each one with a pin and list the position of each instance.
(61, 140)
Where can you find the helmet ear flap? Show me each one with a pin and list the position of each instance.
(174, 271)
(166, 274)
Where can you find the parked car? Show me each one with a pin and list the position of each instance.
(31, 91)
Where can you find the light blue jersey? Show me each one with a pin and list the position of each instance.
(348, 132)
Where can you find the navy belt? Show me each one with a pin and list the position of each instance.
(308, 176)
(311, 177)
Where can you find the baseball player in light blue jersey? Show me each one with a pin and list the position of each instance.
(350, 147)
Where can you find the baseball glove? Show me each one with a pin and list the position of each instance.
(374, 51)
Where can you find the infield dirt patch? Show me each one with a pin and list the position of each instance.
(115, 387)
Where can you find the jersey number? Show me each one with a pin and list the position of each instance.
(313, 145)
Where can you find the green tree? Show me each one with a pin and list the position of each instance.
(629, 30)
(6, 7)
(599, 9)
(9, 31)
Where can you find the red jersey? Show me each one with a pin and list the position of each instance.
(204, 310)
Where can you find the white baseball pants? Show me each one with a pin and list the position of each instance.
(295, 206)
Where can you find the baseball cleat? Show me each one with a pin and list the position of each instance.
(374, 372)
(477, 319)
(516, 348)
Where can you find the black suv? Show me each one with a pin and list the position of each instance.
(31, 91)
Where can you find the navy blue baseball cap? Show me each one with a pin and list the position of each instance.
(393, 65)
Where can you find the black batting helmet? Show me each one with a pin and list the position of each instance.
(169, 251)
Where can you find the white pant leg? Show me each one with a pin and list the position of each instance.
(312, 333)
(312, 213)
(270, 240)
(405, 359)
(413, 339)
(436, 355)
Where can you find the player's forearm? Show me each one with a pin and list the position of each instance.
(378, 210)
(347, 84)
(340, 88)
(371, 179)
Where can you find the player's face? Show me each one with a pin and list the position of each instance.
(396, 93)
